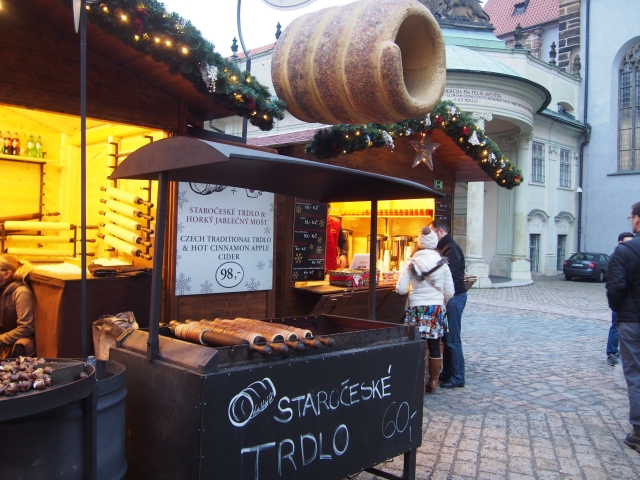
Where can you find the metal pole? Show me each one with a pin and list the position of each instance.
(153, 345)
(247, 64)
(83, 176)
(373, 259)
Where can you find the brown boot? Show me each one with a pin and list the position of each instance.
(435, 364)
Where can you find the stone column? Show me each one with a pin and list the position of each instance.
(475, 264)
(501, 262)
(520, 262)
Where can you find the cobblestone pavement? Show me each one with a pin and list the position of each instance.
(540, 400)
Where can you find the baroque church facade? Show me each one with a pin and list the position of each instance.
(600, 42)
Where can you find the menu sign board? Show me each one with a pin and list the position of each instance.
(444, 209)
(225, 239)
(309, 240)
(314, 418)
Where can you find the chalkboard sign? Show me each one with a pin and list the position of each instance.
(309, 240)
(313, 418)
(444, 209)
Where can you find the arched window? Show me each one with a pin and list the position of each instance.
(629, 120)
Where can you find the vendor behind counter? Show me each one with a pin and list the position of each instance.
(17, 332)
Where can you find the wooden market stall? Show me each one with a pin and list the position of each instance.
(132, 100)
(217, 437)
(396, 221)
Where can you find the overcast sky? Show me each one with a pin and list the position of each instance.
(216, 19)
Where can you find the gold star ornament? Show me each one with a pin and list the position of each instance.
(425, 149)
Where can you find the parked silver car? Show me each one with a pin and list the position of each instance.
(586, 265)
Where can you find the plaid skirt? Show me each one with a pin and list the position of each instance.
(430, 319)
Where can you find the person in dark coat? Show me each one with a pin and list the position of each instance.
(16, 309)
(623, 294)
(613, 352)
(452, 375)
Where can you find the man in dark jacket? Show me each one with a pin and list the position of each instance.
(452, 375)
(623, 293)
(613, 352)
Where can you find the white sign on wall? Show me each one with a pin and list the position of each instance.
(466, 96)
(225, 239)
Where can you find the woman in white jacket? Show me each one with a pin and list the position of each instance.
(428, 297)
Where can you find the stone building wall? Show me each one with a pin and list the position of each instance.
(532, 42)
(569, 30)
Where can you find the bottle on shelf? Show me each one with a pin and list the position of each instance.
(7, 144)
(39, 147)
(15, 144)
(31, 147)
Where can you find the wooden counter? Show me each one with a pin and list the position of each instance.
(349, 302)
(57, 297)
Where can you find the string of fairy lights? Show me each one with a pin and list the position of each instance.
(147, 27)
(446, 117)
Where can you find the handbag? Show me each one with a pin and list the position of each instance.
(425, 275)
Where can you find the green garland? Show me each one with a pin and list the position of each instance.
(148, 28)
(343, 139)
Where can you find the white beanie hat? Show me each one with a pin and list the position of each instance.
(427, 239)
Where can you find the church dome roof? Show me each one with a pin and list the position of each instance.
(461, 59)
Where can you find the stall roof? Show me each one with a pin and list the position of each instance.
(189, 159)
(59, 17)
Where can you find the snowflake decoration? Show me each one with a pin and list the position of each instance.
(252, 286)
(321, 223)
(178, 258)
(180, 227)
(209, 75)
(319, 250)
(271, 207)
(473, 139)
(388, 140)
(270, 264)
(295, 275)
(260, 265)
(452, 110)
(182, 199)
(298, 209)
(425, 149)
(183, 284)
(427, 119)
(267, 230)
(298, 258)
(206, 287)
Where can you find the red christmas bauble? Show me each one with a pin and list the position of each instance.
(465, 131)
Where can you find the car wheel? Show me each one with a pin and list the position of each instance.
(601, 276)
(567, 277)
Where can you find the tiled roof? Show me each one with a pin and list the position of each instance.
(538, 12)
(283, 139)
(254, 51)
